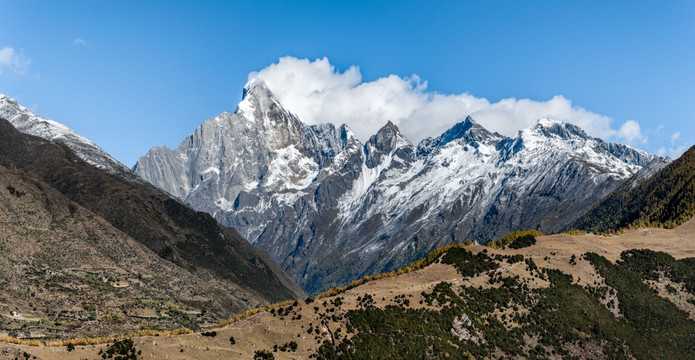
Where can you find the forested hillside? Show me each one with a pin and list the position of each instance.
(667, 199)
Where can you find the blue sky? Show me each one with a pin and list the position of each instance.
(130, 75)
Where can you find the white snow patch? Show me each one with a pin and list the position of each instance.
(214, 169)
(250, 186)
(246, 109)
(290, 169)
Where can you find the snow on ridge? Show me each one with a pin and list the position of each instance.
(246, 110)
(29, 123)
(453, 168)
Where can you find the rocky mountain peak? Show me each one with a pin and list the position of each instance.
(391, 126)
(386, 141)
(468, 130)
(346, 134)
(259, 104)
(5, 98)
(387, 138)
(553, 128)
(256, 88)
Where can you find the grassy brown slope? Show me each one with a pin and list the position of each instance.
(67, 273)
(587, 288)
(667, 199)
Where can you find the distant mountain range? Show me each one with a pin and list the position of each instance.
(89, 245)
(90, 248)
(330, 209)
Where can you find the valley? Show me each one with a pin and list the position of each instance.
(101, 264)
(347, 180)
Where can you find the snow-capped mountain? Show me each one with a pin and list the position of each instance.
(271, 151)
(330, 209)
(29, 123)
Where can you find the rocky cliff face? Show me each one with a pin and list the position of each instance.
(330, 209)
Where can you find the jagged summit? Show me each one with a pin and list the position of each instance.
(468, 130)
(346, 133)
(261, 147)
(554, 128)
(390, 125)
(256, 87)
(388, 143)
(388, 138)
(259, 103)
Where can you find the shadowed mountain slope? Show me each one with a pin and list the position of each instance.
(191, 241)
(67, 272)
(665, 199)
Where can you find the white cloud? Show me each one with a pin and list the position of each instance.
(675, 137)
(80, 41)
(317, 92)
(13, 61)
(631, 132)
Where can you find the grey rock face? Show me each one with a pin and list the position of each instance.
(330, 209)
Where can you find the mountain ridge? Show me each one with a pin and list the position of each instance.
(29, 123)
(318, 200)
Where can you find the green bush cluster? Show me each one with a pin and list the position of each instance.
(564, 318)
(289, 347)
(507, 239)
(121, 350)
(263, 355)
(523, 241)
(468, 264)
